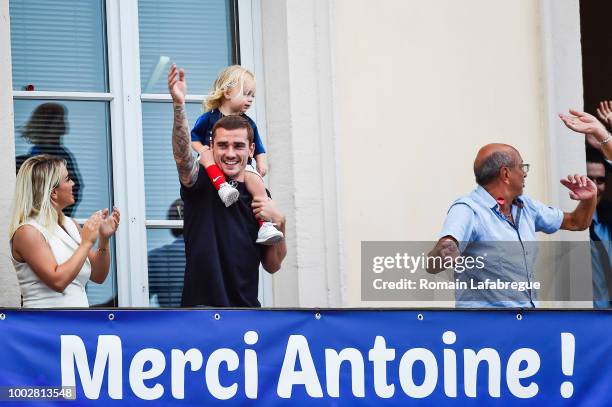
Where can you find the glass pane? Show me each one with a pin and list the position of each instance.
(161, 178)
(58, 45)
(166, 265)
(78, 132)
(195, 34)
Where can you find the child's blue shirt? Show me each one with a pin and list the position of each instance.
(202, 130)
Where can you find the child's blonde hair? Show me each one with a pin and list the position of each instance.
(229, 78)
(36, 180)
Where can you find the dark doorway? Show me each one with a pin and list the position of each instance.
(596, 42)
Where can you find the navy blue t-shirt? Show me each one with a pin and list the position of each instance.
(202, 130)
(222, 258)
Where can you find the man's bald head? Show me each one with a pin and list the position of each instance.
(491, 158)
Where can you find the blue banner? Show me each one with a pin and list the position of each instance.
(305, 357)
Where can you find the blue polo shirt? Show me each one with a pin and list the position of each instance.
(202, 130)
(509, 248)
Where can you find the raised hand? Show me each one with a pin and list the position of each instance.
(580, 186)
(109, 223)
(604, 111)
(181, 142)
(177, 86)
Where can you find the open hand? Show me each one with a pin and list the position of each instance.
(585, 123)
(580, 186)
(109, 223)
(177, 86)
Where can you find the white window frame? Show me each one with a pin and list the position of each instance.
(126, 130)
(125, 107)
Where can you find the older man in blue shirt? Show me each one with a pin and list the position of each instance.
(498, 223)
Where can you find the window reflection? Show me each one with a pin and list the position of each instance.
(167, 261)
(78, 131)
(45, 131)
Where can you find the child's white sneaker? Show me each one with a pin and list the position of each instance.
(228, 194)
(268, 234)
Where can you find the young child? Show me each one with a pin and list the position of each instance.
(233, 93)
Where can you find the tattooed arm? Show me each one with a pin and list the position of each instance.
(186, 164)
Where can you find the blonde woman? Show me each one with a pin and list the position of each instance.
(53, 256)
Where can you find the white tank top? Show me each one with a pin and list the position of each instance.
(35, 293)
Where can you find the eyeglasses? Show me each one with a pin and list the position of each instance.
(524, 167)
(598, 180)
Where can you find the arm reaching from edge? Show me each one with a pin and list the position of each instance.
(186, 164)
(587, 124)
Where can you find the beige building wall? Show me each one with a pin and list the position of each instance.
(420, 87)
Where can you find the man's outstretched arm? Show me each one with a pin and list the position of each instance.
(186, 164)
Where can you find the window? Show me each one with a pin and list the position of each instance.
(61, 101)
(100, 67)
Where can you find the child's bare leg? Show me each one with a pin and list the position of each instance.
(255, 185)
(267, 234)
